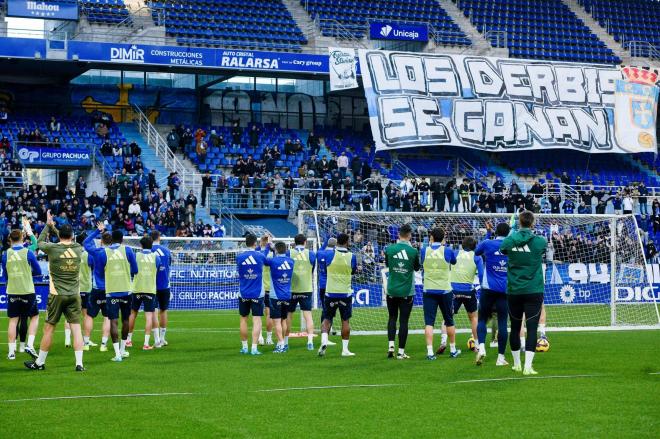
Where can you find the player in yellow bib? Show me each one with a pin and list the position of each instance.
(144, 288)
(302, 288)
(263, 245)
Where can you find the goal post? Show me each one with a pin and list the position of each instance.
(596, 276)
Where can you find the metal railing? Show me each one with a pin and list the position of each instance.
(169, 159)
(497, 38)
(642, 49)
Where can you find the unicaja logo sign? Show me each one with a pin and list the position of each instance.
(385, 30)
(25, 154)
(122, 54)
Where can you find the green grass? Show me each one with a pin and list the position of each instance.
(618, 401)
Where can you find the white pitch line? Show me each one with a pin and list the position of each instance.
(523, 378)
(348, 386)
(654, 373)
(129, 395)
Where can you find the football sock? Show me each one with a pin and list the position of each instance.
(116, 348)
(286, 340)
(324, 339)
(130, 337)
(542, 329)
(501, 357)
(254, 347)
(146, 339)
(529, 358)
(310, 338)
(452, 347)
(79, 355)
(344, 345)
(244, 344)
(390, 345)
(162, 333)
(401, 351)
(429, 349)
(67, 336)
(30, 341)
(12, 348)
(516, 358)
(104, 340)
(482, 348)
(41, 359)
(156, 334)
(443, 339)
(122, 346)
(269, 336)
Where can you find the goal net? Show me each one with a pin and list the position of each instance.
(203, 272)
(595, 270)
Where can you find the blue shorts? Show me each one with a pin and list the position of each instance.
(96, 303)
(22, 305)
(467, 299)
(344, 304)
(163, 297)
(304, 300)
(278, 308)
(149, 301)
(116, 305)
(84, 300)
(254, 306)
(434, 301)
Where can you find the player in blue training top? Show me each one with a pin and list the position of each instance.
(436, 259)
(324, 252)
(281, 273)
(493, 291)
(159, 327)
(96, 302)
(265, 247)
(463, 272)
(250, 267)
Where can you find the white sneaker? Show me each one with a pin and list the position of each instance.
(480, 358)
(331, 343)
(261, 341)
(347, 354)
(158, 345)
(493, 344)
(91, 343)
(11, 356)
(402, 356)
(163, 342)
(501, 362)
(125, 354)
(530, 371)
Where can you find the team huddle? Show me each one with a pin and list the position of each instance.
(275, 281)
(85, 280)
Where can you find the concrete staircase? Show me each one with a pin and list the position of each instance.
(316, 42)
(600, 32)
(480, 46)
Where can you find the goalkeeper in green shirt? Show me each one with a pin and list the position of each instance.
(402, 261)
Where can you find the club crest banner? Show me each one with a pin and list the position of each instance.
(502, 104)
(343, 69)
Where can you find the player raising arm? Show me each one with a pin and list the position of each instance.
(436, 260)
(493, 292)
(466, 267)
(402, 260)
(525, 287)
(97, 299)
(323, 277)
(250, 267)
(64, 292)
(19, 265)
(264, 247)
(302, 287)
(340, 266)
(162, 290)
(281, 273)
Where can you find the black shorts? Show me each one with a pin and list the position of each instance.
(148, 300)
(434, 301)
(254, 306)
(525, 305)
(304, 300)
(96, 303)
(278, 308)
(163, 298)
(267, 299)
(467, 299)
(344, 304)
(118, 305)
(22, 305)
(84, 299)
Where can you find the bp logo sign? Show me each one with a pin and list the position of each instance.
(567, 294)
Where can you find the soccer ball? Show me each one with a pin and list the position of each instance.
(471, 344)
(543, 345)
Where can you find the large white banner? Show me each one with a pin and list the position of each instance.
(343, 69)
(500, 104)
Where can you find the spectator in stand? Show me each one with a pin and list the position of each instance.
(117, 150)
(313, 144)
(627, 203)
(236, 134)
(498, 186)
(201, 150)
(464, 190)
(186, 139)
(4, 115)
(356, 166)
(565, 179)
(643, 200)
(81, 187)
(569, 207)
(135, 150)
(617, 203)
(583, 208)
(173, 140)
(54, 126)
(22, 137)
(4, 145)
(255, 132)
(206, 184)
(199, 135)
(342, 164)
(134, 209)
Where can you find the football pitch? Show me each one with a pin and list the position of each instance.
(590, 384)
